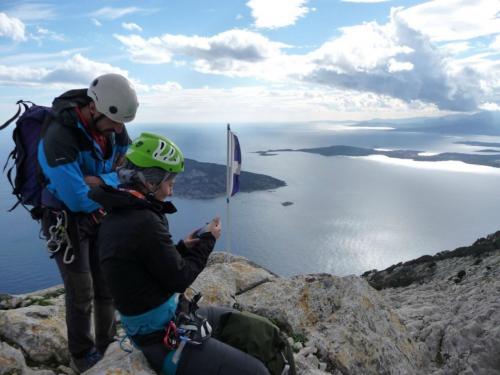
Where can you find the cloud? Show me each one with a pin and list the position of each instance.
(391, 60)
(76, 71)
(277, 13)
(24, 76)
(96, 22)
(496, 43)
(488, 80)
(12, 27)
(42, 34)
(456, 47)
(131, 26)
(450, 20)
(364, 1)
(490, 107)
(29, 12)
(161, 88)
(146, 51)
(216, 52)
(398, 66)
(268, 104)
(395, 60)
(111, 13)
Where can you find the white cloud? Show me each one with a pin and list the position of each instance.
(264, 104)
(456, 48)
(12, 27)
(449, 20)
(218, 52)
(42, 33)
(78, 70)
(48, 59)
(29, 12)
(398, 66)
(131, 26)
(239, 17)
(111, 13)
(146, 51)
(26, 76)
(364, 1)
(490, 107)
(155, 88)
(96, 22)
(365, 58)
(277, 13)
(390, 59)
(496, 43)
(487, 67)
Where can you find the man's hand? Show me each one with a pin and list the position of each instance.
(93, 181)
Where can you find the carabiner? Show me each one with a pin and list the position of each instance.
(66, 252)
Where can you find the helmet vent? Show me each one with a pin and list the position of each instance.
(113, 109)
(95, 82)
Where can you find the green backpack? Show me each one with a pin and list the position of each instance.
(257, 336)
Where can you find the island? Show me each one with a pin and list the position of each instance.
(208, 180)
(491, 160)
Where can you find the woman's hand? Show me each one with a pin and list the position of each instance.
(191, 241)
(215, 227)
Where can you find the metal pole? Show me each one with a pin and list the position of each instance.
(228, 193)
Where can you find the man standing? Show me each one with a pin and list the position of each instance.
(83, 143)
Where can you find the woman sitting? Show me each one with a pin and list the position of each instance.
(147, 272)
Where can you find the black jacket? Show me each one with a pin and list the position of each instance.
(140, 262)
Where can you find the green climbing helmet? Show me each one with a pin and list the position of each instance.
(152, 150)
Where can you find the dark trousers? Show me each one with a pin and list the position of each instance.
(213, 357)
(86, 289)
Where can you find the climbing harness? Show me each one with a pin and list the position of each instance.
(59, 238)
(187, 327)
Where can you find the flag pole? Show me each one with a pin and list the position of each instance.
(228, 193)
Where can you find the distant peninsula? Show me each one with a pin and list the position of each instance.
(491, 160)
(476, 143)
(208, 180)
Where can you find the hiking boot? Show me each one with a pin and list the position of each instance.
(84, 363)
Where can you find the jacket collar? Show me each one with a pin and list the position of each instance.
(116, 199)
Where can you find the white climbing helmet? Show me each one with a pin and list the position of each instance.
(114, 97)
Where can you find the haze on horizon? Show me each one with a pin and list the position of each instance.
(259, 60)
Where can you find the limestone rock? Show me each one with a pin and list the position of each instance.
(39, 330)
(118, 362)
(226, 276)
(41, 297)
(353, 328)
(12, 362)
(458, 323)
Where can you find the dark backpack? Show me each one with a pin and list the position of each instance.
(257, 336)
(28, 182)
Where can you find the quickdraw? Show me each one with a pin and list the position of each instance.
(59, 238)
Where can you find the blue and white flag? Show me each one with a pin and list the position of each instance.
(235, 166)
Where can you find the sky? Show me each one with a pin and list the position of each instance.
(196, 61)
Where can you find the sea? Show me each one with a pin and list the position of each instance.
(349, 214)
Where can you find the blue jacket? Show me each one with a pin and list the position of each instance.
(67, 153)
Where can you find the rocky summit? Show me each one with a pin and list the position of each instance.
(434, 315)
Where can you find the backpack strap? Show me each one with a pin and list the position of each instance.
(21, 104)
